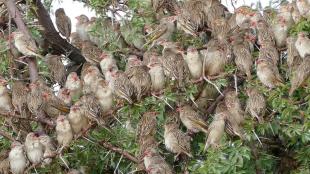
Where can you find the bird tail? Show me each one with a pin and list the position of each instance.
(201, 125)
(62, 108)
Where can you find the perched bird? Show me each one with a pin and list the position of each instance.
(25, 45)
(81, 27)
(63, 23)
(91, 52)
(91, 108)
(175, 140)
(220, 28)
(268, 73)
(5, 166)
(264, 32)
(19, 97)
(194, 63)
(243, 56)
(63, 131)
(154, 163)
(56, 68)
(17, 158)
(270, 52)
(157, 74)
(104, 95)
(233, 105)
(146, 126)
(216, 129)
(107, 62)
(90, 75)
(192, 120)
(77, 118)
(75, 40)
(5, 98)
(295, 13)
(161, 5)
(52, 105)
(255, 104)
(64, 95)
(122, 86)
(74, 85)
(280, 30)
(302, 44)
(300, 75)
(140, 78)
(303, 8)
(242, 15)
(34, 98)
(174, 64)
(33, 147)
(49, 148)
(293, 57)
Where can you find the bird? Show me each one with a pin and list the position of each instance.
(140, 78)
(5, 98)
(220, 28)
(242, 15)
(255, 104)
(81, 27)
(77, 118)
(63, 23)
(233, 106)
(176, 141)
(75, 40)
(192, 120)
(122, 86)
(280, 29)
(19, 97)
(49, 148)
(157, 74)
(25, 45)
(300, 75)
(264, 32)
(243, 56)
(34, 98)
(267, 73)
(107, 62)
(74, 85)
(56, 68)
(91, 52)
(104, 95)
(5, 165)
(52, 105)
(293, 57)
(64, 95)
(63, 131)
(154, 163)
(90, 75)
(295, 12)
(17, 158)
(194, 63)
(270, 52)
(146, 126)
(91, 108)
(33, 147)
(302, 44)
(303, 8)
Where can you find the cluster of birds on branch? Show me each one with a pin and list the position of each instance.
(90, 97)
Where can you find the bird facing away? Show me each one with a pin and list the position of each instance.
(63, 23)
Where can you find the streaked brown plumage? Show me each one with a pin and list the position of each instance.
(233, 105)
(75, 40)
(146, 126)
(194, 63)
(5, 98)
(255, 104)
(56, 68)
(122, 86)
(265, 35)
(77, 118)
(91, 108)
(155, 163)
(91, 52)
(302, 44)
(270, 52)
(63, 23)
(33, 147)
(34, 98)
(293, 57)
(220, 28)
(268, 73)
(300, 75)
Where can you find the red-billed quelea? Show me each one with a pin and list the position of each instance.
(300, 75)
(104, 95)
(90, 76)
(49, 148)
(56, 68)
(74, 85)
(77, 118)
(270, 52)
(33, 147)
(194, 63)
(107, 62)
(81, 27)
(255, 104)
(268, 73)
(303, 7)
(293, 57)
(63, 131)
(157, 74)
(303, 44)
(155, 163)
(63, 23)
(91, 52)
(17, 158)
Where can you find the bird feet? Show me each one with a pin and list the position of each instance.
(197, 80)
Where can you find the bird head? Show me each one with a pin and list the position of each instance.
(33, 86)
(75, 108)
(82, 18)
(191, 49)
(65, 92)
(103, 55)
(302, 34)
(45, 95)
(180, 109)
(61, 118)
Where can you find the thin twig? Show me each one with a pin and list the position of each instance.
(7, 136)
(162, 100)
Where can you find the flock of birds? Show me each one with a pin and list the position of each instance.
(90, 97)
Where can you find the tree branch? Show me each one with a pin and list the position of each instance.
(7, 136)
(59, 44)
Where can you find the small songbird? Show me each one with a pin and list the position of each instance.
(255, 104)
(5, 165)
(91, 108)
(303, 44)
(154, 163)
(157, 74)
(25, 45)
(34, 98)
(19, 97)
(270, 52)
(220, 28)
(122, 86)
(90, 75)
(81, 27)
(140, 78)
(268, 73)
(104, 95)
(49, 148)
(303, 7)
(216, 129)
(74, 85)
(5, 98)
(63, 131)
(233, 105)
(91, 52)
(293, 57)
(295, 13)
(56, 68)
(192, 120)
(265, 34)
(34, 149)
(17, 158)
(63, 23)
(77, 118)
(146, 126)
(300, 75)
(107, 62)
(194, 63)
(280, 30)
(75, 40)
(64, 95)
(242, 15)
(176, 141)
(52, 105)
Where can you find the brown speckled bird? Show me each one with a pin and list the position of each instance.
(270, 52)
(49, 148)
(63, 131)
(255, 104)
(91, 52)
(176, 141)
(157, 74)
(5, 98)
(77, 118)
(192, 120)
(302, 44)
(74, 85)
(104, 95)
(146, 126)
(91, 108)
(63, 23)
(34, 149)
(194, 63)
(56, 68)
(300, 75)
(81, 27)
(268, 73)
(293, 57)
(90, 75)
(233, 105)
(155, 163)
(34, 98)
(75, 40)
(17, 158)
(265, 35)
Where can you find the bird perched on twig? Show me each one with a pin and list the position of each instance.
(265, 34)
(63, 23)
(302, 44)
(57, 68)
(268, 73)
(255, 104)
(74, 85)
(293, 57)
(154, 163)
(146, 126)
(107, 62)
(75, 40)
(33, 147)
(176, 141)
(300, 75)
(194, 63)
(77, 118)
(270, 52)
(17, 158)
(49, 148)
(104, 95)
(90, 76)
(25, 45)
(157, 74)
(192, 120)
(81, 27)
(91, 52)
(63, 131)
(303, 8)
(5, 98)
